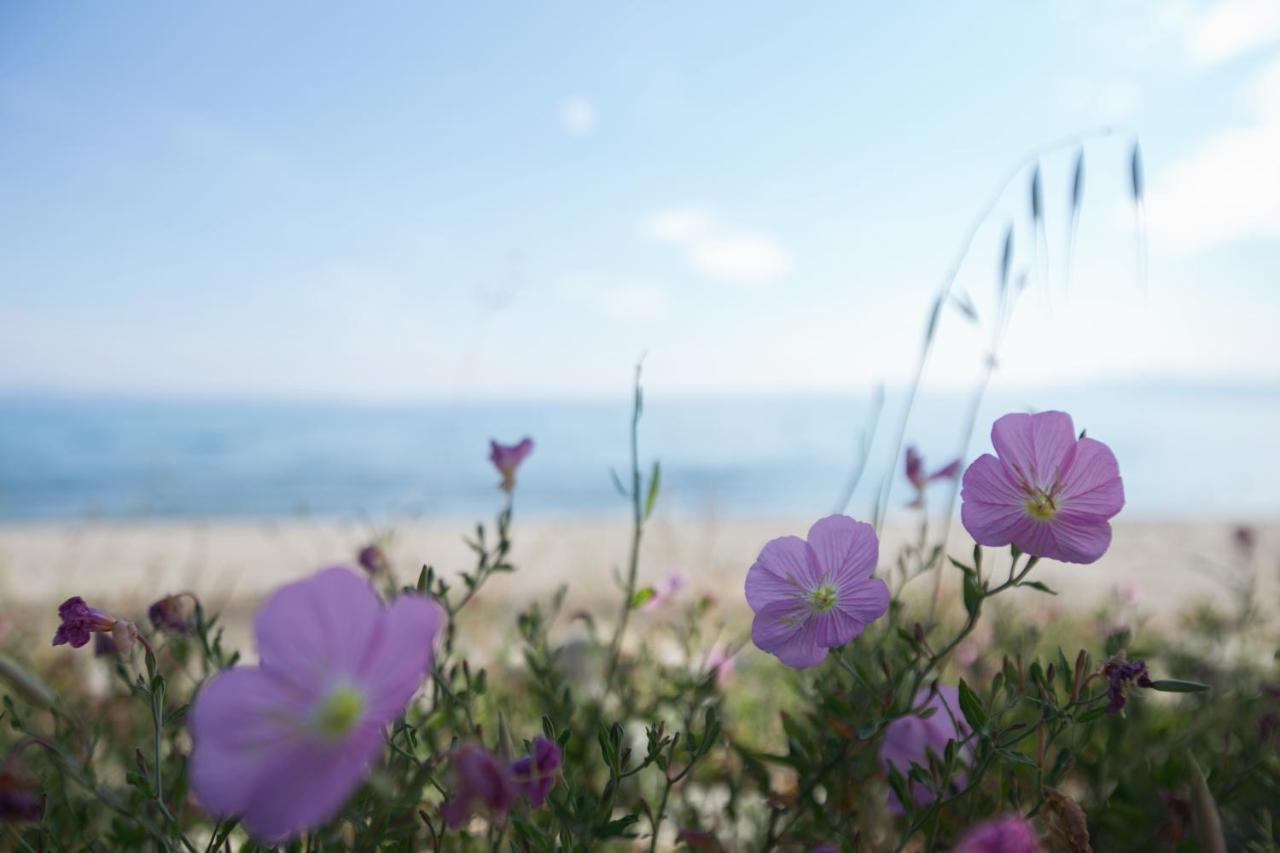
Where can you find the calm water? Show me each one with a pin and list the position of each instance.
(1184, 452)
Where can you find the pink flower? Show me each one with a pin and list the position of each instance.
(811, 596)
(507, 458)
(919, 479)
(720, 663)
(480, 780)
(1009, 834)
(910, 739)
(535, 773)
(1046, 491)
(664, 592)
(283, 744)
(80, 622)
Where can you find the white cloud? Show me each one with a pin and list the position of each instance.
(740, 257)
(678, 225)
(577, 115)
(718, 251)
(1228, 189)
(1229, 28)
(618, 297)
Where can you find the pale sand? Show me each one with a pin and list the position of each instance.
(234, 563)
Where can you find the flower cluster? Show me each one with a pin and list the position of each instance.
(483, 782)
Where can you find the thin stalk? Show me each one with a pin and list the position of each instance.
(637, 532)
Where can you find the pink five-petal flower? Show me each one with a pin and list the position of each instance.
(809, 596)
(283, 744)
(910, 739)
(1008, 834)
(507, 458)
(1045, 491)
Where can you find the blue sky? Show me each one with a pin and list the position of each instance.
(402, 201)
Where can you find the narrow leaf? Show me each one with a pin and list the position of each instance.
(1006, 257)
(1174, 685)
(1037, 195)
(1136, 185)
(1077, 183)
(655, 479)
(971, 706)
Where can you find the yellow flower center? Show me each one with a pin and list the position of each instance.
(340, 712)
(1041, 505)
(823, 598)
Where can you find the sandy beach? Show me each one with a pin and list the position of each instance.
(1162, 566)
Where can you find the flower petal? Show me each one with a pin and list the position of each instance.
(316, 629)
(779, 629)
(309, 784)
(844, 546)
(1091, 483)
(864, 601)
(243, 721)
(1034, 445)
(398, 661)
(992, 505)
(782, 571)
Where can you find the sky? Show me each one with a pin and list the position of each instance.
(412, 201)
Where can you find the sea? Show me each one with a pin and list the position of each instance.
(1195, 452)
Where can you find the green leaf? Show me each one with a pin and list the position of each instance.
(1174, 685)
(1040, 586)
(971, 706)
(655, 479)
(641, 596)
(972, 594)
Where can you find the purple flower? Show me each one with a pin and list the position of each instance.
(168, 614)
(373, 560)
(919, 479)
(19, 801)
(79, 622)
(811, 596)
(535, 773)
(1009, 834)
(283, 744)
(1045, 491)
(910, 739)
(1120, 674)
(507, 458)
(104, 646)
(480, 781)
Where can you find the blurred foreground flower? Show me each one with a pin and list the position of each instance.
(283, 744)
(910, 739)
(811, 596)
(535, 773)
(919, 479)
(1010, 834)
(1047, 492)
(507, 458)
(482, 782)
